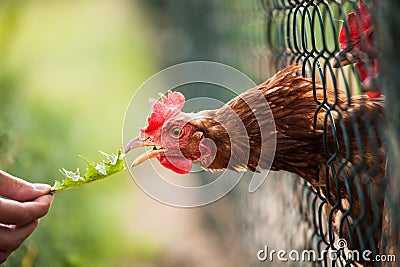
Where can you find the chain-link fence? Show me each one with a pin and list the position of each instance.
(350, 204)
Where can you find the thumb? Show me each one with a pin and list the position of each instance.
(43, 189)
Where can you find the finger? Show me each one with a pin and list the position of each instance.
(17, 213)
(18, 189)
(12, 237)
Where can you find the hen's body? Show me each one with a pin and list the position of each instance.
(353, 183)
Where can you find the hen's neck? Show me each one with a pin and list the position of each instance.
(244, 130)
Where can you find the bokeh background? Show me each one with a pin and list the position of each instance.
(68, 70)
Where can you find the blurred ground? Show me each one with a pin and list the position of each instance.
(181, 234)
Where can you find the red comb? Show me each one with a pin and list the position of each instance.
(357, 22)
(163, 110)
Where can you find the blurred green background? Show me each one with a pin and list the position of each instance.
(67, 72)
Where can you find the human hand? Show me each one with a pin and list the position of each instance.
(20, 210)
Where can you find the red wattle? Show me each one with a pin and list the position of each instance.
(179, 165)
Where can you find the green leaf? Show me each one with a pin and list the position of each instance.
(94, 172)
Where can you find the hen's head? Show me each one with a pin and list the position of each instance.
(176, 139)
(357, 46)
(360, 29)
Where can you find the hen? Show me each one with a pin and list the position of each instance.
(214, 140)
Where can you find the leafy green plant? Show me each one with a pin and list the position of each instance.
(94, 172)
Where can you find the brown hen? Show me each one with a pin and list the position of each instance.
(345, 135)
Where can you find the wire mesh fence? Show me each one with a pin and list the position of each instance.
(350, 204)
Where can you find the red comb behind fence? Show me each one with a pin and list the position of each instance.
(163, 110)
(358, 22)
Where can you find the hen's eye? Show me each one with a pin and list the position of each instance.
(176, 132)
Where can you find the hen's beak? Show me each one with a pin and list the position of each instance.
(135, 143)
(138, 142)
(344, 58)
